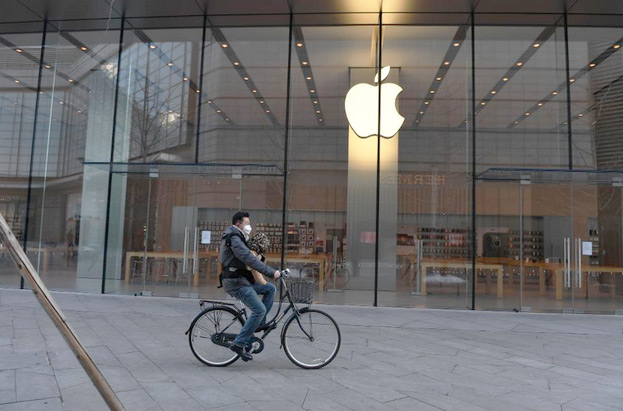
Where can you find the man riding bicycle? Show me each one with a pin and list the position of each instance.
(236, 259)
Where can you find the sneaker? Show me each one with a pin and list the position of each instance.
(242, 353)
(266, 327)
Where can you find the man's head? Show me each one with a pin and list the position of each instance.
(243, 222)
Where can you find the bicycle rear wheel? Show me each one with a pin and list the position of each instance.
(311, 340)
(209, 321)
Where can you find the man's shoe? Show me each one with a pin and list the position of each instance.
(266, 327)
(242, 353)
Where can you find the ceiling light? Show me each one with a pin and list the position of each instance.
(254, 91)
(152, 46)
(540, 104)
(446, 63)
(536, 45)
(426, 102)
(519, 64)
(219, 111)
(308, 77)
(170, 63)
(571, 80)
(456, 44)
(16, 81)
(19, 50)
(299, 44)
(268, 111)
(432, 92)
(79, 111)
(493, 92)
(61, 103)
(236, 63)
(439, 78)
(504, 78)
(84, 48)
(592, 65)
(554, 93)
(246, 78)
(224, 45)
(421, 112)
(580, 115)
(71, 80)
(304, 63)
(526, 113)
(226, 119)
(47, 66)
(209, 101)
(318, 111)
(319, 119)
(516, 122)
(184, 78)
(482, 103)
(311, 90)
(616, 45)
(261, 101)
(315, 101)
(197, 91)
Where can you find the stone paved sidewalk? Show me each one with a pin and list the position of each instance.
(391, 359)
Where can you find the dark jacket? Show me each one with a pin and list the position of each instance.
(240, 252)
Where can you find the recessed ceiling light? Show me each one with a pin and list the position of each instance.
(79, 111)
(170, 63)
(516, 122)
(71, 80)
(61, 102)
(184, 78)
(526, 113)
(308, 77)
(446, 63)
(426, 102)
(246, 78)
(152, 46)
(311, 90)
(226, 119)
(305, 63)
(519, 64)
(236, 63)
(456, 44)
(571, 80)
(504, 78)
(268, 111)
(554, 93)
(261, 101)
(16, 81)
(421, 112)
(540, 104)
(493, 92)
(592, 65)
(19, 50)
(616, 45)
(319, 119)
(482, 103)
(432, 92)
(536, 45)
(224, 45)
(254, 91)
(197, 91)
(209, 101)
(439, 78)
(315, 101)
(318, 111)
(84, 48)
(299, 44)
(219, 111)
(580, 115)
(47, 66)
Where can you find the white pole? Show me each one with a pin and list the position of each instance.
(56, 315)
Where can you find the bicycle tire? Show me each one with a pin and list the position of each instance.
(193, 335)
(328, 326)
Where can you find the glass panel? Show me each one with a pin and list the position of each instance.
(521, 123)
(425, 197)
(18, 84)
(331, 204)
(74, 125)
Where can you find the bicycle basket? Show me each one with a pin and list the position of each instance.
(302, 291)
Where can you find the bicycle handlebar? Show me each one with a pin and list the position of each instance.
(285, 273)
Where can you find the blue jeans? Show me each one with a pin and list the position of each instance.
(248, 294)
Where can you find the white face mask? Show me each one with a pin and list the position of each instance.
(247, 229)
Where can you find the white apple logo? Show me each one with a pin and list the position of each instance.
(362, 109)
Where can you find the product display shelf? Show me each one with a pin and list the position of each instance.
(532, 244)
(444, 242)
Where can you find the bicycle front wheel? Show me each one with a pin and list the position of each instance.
(210, 321)
(312, 339)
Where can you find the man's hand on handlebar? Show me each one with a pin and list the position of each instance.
(283, 273)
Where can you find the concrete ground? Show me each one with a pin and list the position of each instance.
(391, 359)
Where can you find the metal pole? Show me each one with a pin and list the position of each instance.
(28, 272)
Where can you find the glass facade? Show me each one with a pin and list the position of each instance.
(127, 144)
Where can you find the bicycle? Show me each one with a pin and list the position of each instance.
(337, 275)
(310, 338)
